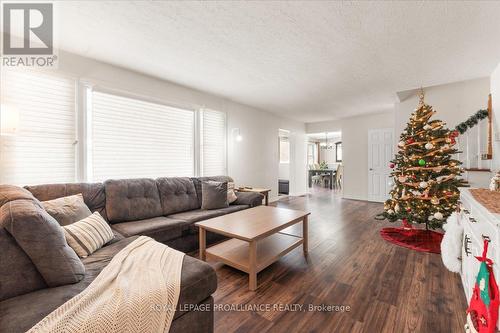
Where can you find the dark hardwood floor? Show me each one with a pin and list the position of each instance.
(388, 288)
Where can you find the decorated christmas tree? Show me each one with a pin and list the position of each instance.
(425, 173)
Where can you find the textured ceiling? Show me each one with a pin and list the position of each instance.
(310, 61)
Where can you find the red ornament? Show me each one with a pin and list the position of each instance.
(392, 165)
(410, 141)
(453, 141)
(408, 209)
(454, 134)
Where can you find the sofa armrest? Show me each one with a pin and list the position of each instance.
(252, 199)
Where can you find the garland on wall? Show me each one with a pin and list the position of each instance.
(472, 121)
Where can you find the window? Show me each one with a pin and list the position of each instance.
(133, 138)
(284, 148)
(312, 153)
(43, 148)
(213, 143)
(338, 152)
(48, 139)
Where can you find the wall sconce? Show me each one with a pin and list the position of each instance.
(237, 134)
(9, 120)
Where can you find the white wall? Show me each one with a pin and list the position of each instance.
(495, 97)
(253, 162)
(454, 103)
(355, 148)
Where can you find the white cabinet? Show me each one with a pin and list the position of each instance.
(479, 224)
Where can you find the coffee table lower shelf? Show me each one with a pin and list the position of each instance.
(236, 253)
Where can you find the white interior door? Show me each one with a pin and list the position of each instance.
(380, 152)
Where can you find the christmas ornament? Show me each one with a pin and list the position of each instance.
(408, 209)
(454, 133)
(392, 165)
(423, 184)
(438, 216)
(434, 200)
(410, 141)
(429, 146)
(482, 313)
(421, 162)
(453, 141)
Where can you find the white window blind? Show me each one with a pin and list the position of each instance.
(132, 138)
(42, 150)
(213, 143)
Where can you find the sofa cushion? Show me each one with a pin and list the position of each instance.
(196, 215)
(11, 192)
(67, 210)
(18, 314)
(93, 194)
(252, 199)
(233, 208)
(214, 195)
(218, 212)
(197, 183)
(177, 194)
(160, 228)
(42, 239)
(132, 199)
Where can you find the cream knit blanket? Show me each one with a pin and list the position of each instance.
(136, 292)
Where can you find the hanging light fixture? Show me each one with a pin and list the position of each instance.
(326, 145)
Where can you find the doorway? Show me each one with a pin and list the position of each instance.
(284, 162)
(324, 161)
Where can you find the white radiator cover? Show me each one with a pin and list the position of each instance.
(478, 224)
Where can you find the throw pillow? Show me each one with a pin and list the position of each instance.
(231, 196)
(42, 239)
(88, 235)
(214, 195)
(67, 210)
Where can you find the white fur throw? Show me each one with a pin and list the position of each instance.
(451, 245)
(136, 292)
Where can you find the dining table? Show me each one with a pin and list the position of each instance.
(329, 172)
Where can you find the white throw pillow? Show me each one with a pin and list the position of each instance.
(88, 235)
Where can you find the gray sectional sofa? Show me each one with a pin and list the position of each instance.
(164, 209)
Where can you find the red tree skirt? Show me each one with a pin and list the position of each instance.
(415, 239)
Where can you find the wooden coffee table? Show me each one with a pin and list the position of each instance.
(256, 238)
